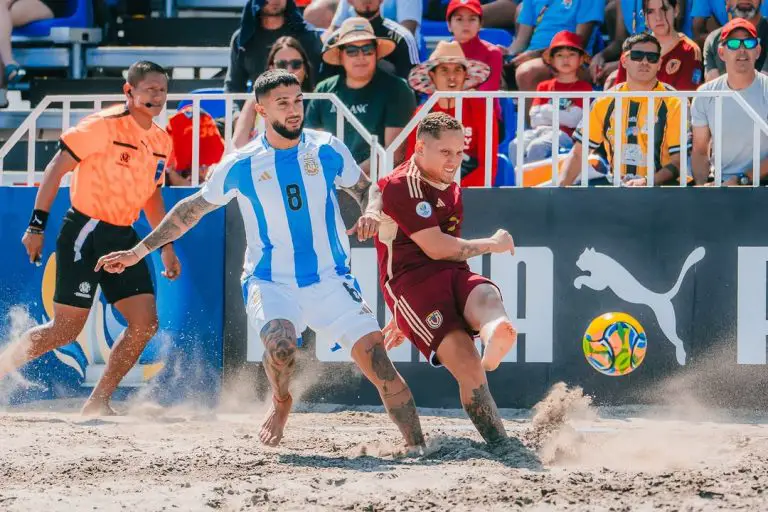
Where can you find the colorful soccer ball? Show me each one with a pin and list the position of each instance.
(615, 344)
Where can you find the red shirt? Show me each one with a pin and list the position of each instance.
(473, 119)
(681, 67)
(570, 108)
(477, 49)
(412, 204)
(180, 130)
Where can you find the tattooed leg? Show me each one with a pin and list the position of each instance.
(279, 337)
(372, 359)
(458, 354)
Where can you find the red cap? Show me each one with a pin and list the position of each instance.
(564, 39)
(737, 23)
(472, 5)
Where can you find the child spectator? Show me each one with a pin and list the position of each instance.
(448, 70)
(464, 19)
(565, 55)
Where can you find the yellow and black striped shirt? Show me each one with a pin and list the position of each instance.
(667, 136)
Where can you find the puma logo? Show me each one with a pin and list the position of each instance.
(605, 272)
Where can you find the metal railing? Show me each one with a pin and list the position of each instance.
(760, 126)
(385, 160)
(29, 126)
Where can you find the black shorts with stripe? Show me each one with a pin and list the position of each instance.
(81, 242)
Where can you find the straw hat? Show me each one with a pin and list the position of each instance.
(355, 30)
(448, 53)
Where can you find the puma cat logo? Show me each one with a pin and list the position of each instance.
(605, 272)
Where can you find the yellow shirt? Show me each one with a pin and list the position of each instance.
(667, 139)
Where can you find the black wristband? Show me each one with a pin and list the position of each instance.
(38, 220)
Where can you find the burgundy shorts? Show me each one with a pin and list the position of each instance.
(429, 310)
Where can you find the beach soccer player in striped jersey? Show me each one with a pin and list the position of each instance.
(117, 158)
(297, 262)
(436, 301)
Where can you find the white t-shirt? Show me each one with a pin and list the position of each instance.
(735, 133)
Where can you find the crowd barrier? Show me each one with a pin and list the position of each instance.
(385, 162)
(581, 253)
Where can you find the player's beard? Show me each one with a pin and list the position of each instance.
(283, 130)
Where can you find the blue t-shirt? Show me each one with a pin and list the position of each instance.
(634, 19)
(716, 8)
(548, 17)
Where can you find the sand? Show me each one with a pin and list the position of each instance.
(566, 455)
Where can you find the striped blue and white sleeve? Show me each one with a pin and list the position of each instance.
(349, 172)
(221, 185)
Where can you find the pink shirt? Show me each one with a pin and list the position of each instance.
(477, 49)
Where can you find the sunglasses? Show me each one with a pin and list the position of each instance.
(639, 55)
(749, 43)
(289, 64)
(367, 49)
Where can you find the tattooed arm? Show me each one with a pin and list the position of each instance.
(178, 221)
(482, 410)
(442, 246)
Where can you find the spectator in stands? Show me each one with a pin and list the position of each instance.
(745, 9)
(496, 13)
(331, 14)
(448, 70)
(263, 23)
(739, 48)
(382, 102)
(709, 15)
(681, 60)
(464, 19)
(565, 55)
(406, 53)
(641, 57)
(286, 53)
(17, 13)
(538, 22)
(210, 148)
(628, 17)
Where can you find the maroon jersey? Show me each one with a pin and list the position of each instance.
(411, 203)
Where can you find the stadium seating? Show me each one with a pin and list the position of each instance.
(81, 17)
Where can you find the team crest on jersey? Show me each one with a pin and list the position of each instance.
(567, 4)
(311, 165)
(435, 319)
(672, 66)
(424, 209)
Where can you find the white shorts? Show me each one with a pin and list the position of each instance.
(333, 308)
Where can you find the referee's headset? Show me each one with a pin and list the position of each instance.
(147, 104)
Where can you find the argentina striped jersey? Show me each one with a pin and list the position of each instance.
(294, 231)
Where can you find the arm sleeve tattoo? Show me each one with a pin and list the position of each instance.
(178, 221)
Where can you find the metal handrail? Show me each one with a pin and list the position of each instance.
(760, 126)
(28, 126)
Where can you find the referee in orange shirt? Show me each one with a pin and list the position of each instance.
(118, 157)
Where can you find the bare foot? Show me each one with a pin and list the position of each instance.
(502, 337)
(97, 408)
(272, 428)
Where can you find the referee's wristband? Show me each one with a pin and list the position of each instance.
(39, 220)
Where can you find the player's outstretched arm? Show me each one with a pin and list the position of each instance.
(368, 196)
(441, 246)
(178, 221)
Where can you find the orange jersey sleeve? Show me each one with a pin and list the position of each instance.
(88, 137)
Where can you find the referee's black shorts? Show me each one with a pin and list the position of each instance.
(81, 242)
